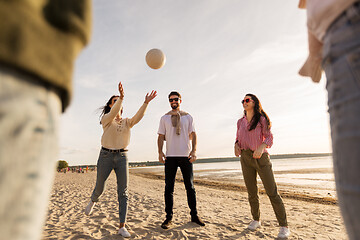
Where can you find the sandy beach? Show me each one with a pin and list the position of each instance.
(225, 212)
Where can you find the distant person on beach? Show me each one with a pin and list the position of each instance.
(334, 45)
(253, 136)
(177, 129)
(113, 156)
(39, 42)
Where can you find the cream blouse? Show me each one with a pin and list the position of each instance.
(117, 133)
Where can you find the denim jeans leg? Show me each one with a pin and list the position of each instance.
(104, 167)
(122, 176)
(171, 166)
(29, 115)
(342, 68)
(186, 168)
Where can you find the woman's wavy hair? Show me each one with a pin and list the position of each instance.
(105, 109)
(258, 112)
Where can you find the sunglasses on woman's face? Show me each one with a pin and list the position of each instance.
(246, 100)
(173, 99)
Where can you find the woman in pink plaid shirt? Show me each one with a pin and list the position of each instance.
(253, 136)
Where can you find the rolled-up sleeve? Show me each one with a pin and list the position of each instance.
(266, 132)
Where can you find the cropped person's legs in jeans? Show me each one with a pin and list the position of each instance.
(29, 114)
(341, 56)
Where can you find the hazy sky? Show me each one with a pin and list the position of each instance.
(217, 51)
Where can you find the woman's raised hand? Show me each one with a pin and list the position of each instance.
(121, 90)
(150, 96)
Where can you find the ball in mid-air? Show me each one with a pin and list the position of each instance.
(155, 58)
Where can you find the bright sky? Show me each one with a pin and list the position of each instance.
(217, 51)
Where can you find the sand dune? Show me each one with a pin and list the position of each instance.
(225, 212)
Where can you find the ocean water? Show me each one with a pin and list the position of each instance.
(316, 172)
(308, 175)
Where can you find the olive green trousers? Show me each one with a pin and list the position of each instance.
(262, 166)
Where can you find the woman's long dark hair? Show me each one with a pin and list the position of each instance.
(258, 112)
(105, 109)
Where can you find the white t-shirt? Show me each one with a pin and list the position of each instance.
(177, 145)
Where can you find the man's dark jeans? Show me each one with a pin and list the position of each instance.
(171, 166)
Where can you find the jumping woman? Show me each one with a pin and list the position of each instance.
(115, 139)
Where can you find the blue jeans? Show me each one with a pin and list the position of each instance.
(341, 62)
(29, 115)
(106, 163)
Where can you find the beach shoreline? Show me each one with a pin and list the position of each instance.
(289, 191)
(225, 212)
(306, 179)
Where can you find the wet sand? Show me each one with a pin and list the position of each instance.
(233, 180)
(224, 209)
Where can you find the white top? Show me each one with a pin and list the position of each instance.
(177, 145)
